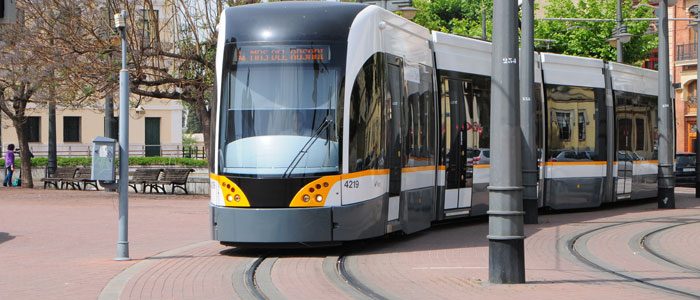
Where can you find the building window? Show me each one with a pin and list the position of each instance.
(71, 129)
(564, 124)
(149, 28)
(31, 129)
(582, 125)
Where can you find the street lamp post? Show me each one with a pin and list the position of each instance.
(618, 21)
(123, 242)
(666, 197)
(697, 108)
(506, 235)
(527, 112)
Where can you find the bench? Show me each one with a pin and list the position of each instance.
(146, 177)
(62, 175)
(176, 178)
(83, 175)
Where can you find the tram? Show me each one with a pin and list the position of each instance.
(343, 121)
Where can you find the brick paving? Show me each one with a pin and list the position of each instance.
(60, 244)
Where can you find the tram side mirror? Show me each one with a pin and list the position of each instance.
(103, 158)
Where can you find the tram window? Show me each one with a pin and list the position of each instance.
(418, 142)
(636, 117)
(575, 124)
(366, 132)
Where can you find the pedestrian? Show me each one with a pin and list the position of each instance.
(9, 165)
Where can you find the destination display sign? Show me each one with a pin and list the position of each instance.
(283, 54)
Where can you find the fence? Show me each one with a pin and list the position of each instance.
(134, 150)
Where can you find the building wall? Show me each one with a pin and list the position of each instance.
(684, 72)
(92, 125)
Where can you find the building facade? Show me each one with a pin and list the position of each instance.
(683, 57)
(155, 125)
(155, 129)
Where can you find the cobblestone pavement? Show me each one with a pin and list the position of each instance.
(59, 245)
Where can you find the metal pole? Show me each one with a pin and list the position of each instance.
(506, 237)
(123, 242)
(52, 159)
(697, 112)
(618, 20)
(483, 22)
(666, 197)
(527, 111)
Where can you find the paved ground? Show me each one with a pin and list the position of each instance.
(59, 245)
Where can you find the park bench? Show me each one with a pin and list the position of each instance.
(176, 178)
(146, 177)
(62, 175)
(83, 175)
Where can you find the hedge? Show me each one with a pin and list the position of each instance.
(133, 161)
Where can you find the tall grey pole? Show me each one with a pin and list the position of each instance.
(618, 22)
(483, 22)
(123, 242)
(506, 235)
(666, 197)
(52, 155)
(52, 159)
(527, 111)
(697, 113)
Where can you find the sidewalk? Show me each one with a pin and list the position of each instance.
(59, 245)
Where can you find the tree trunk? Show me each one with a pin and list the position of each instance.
(26, 166)
(205, 118)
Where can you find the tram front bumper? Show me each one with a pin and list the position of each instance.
(271, 225)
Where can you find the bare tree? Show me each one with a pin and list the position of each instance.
(175, 59)
(52, 54)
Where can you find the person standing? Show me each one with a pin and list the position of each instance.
(9, 165)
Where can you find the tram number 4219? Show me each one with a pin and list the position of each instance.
(351, 184)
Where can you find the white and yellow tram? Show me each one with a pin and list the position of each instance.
(342, 121)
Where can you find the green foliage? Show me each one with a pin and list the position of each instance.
(590, 38)
(133, 161)
(461, 17)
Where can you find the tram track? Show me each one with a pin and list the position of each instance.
(258, 283)
(580, 253)
(644, 243)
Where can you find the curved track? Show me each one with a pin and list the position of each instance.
(580, 251)
(259, 279)
(659, 253)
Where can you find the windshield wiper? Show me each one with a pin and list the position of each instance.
(297, 159)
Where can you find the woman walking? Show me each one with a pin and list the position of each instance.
(9, 165)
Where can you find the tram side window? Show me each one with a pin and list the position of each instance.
(366, 132)
(418, 115)
(574, 125)
(636, 117)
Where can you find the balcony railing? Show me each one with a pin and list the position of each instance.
(686, 52)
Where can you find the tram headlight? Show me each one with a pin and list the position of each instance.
(306, 198)
(319, 198)
(229, 198)
(237, 198)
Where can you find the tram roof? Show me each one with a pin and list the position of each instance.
(290, 21)
(634, 79)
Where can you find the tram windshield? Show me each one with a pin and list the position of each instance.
(281, 116)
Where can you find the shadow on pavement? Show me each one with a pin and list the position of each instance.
(4, 237)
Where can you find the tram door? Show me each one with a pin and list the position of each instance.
(624, 156)
(395, 97)
(459, 157)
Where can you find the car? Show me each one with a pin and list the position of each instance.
(572, 155)
(685, 168)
